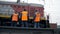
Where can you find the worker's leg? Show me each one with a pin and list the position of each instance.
(22, 23)
(12, 23)
(15, 23)
(38, 25)
(34, 25)
(26, 24)
(0, 23)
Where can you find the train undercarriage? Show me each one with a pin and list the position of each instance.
(8, 22)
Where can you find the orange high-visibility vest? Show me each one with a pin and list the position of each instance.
(24, 16)
(15, 17)
(37, 18)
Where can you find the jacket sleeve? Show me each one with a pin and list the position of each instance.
(11, 17)
(19, 17)
(34, 17)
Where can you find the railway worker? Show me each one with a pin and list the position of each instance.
(24, 18)
(37, 19)
(14, 19)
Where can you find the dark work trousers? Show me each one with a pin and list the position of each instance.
(0, 23)
(36, 25)
(14, 23)
(20, 23)
(24, 23)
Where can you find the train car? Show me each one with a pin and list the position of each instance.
(7, 9)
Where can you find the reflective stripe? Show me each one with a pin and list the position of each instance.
(37, 18)
(15, 17)
(24, 16)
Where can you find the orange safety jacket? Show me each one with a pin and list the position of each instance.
(15, 17)
(37, 18)
(24, 16)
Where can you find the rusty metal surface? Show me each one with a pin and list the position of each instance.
(53, 25)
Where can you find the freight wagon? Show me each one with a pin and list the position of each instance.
(7, 9)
